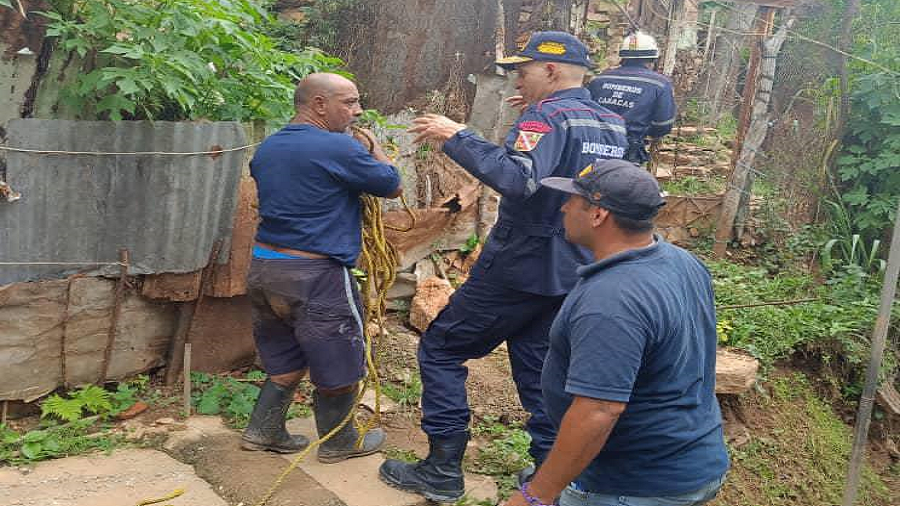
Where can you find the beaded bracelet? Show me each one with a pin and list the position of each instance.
(532, 500)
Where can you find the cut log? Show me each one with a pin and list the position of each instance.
(735, 372)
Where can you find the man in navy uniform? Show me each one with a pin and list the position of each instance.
(641, 96)
(526, 268)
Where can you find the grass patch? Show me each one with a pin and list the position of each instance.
(835, 327)
(691, 186)
(504, 455)
(73, 423)
(234, 398)
(798, 453)
(400, 454)
(405, 393)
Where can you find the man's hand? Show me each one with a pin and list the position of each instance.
(517, 101)
(367, 138)
(434, 127)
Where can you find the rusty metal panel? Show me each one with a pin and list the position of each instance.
(166, 210)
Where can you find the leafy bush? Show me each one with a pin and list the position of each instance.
(77, 434)
(867, 169)
(179, 60)
(231, 398)
(837, 325)
(869, 182)
(53, 442)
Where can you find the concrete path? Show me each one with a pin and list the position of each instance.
(356, 481)
(123, 478)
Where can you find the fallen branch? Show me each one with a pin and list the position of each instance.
(772, 303)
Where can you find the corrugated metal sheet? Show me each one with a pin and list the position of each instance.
(168, 211)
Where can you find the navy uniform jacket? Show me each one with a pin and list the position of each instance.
(641, 96)
(527, 249)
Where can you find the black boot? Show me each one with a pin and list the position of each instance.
(439, 477)
(266, 430)
(330, 411)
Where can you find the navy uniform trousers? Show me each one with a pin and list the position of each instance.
(479, 317)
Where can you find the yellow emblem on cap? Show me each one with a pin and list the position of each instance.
(551, 47)
(587, 170)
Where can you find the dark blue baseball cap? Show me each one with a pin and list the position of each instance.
(559, 47)
(617, 185)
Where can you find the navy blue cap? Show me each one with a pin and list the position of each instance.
(559, 47)
(617, 185)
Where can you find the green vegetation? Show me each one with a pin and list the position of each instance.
(232, 398)
(694, 186)
(55, 441)
(470, 245)
(505, 454)
(85, 414)
(868, 182)
(796, 454)
(179, 60)
(835, 326)
(393, 452)
(407, 393)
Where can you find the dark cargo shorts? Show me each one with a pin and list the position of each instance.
(307, 313)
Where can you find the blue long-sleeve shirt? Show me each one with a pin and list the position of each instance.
(309, 182)
(643, 97)
(559, 136)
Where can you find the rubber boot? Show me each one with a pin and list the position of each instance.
(330, 411)
(266, 430)
(439, 477)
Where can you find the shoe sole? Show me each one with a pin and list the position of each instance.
(247, 445)
(340, 458)
(431, 496)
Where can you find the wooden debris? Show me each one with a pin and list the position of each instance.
(888, 398)
(735, 372)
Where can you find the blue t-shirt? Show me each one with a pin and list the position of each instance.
(640, 328)
(309, 181)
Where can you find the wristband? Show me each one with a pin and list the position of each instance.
(530, 499)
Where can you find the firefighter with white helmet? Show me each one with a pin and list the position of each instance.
(643, 97)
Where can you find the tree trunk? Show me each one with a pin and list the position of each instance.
(407, 48)
(721, 74)
(741, 180)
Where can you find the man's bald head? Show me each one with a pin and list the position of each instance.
(329, 101)
(322, 84)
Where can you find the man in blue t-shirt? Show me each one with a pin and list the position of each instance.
(629, 379)
(306, 308)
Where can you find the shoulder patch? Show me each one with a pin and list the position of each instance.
(535, 126)
(527, 141)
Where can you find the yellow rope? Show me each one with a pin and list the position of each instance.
(173, 495)
(379, 260)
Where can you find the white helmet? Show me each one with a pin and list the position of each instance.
(639, 45)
